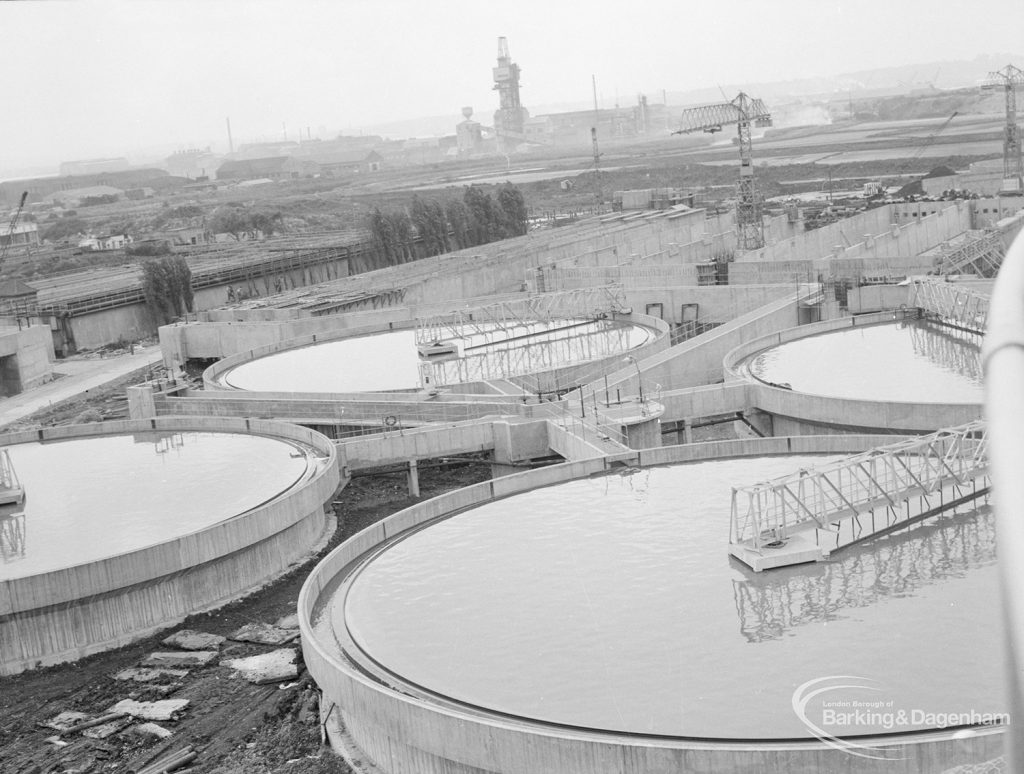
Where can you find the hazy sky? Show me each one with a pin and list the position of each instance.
(86, 79)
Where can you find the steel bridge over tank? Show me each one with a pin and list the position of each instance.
(951, 304)
(509, 319)
(529, 349)
(772, 605)
(782, 522)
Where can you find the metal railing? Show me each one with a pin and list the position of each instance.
(951, 304)
(515, 318)
(816, 497)
(981, 253)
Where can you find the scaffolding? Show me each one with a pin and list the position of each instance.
(769, 514)
(951, 304)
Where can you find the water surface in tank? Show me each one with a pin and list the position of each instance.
(390, 361)
(611, 603)
(914, 361)
(91, 498)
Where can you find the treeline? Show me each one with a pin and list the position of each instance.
(430, 227)
(167, 287)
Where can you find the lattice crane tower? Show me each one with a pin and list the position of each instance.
(510, 116)
(1013, 167)
(742, 111)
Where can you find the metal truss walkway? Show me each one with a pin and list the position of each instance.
(508, 319)
(980, 252)
(951, 304)
(780, 522)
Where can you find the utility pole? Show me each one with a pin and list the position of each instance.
(231, 144)
(593, 140)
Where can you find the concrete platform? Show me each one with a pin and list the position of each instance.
(796, 549)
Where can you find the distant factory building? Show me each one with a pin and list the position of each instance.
(22, 235)
(347, 162)
(469, 138)
(93, 166)
(76, 196)
(99, 244)
(510, 117)
(273, 168)
(193, 163)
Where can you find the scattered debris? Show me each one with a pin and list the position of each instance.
(170, 762)
(56, 740)
(104, 730)
(264, 634)
(66, 721)
(165, 709)
(176, 659)
(273, 667)
(151, 729)
(288, 622)
(148, 674)
(187, 639)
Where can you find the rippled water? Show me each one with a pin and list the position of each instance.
(611, 603)
(915, 361)
(88, 499)
(390, 361)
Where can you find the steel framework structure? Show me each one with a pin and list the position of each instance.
(773, 605)
(952, 304)
(1013, 164)
(531, 349)
(742, 111)
(818, 498)
(507, 318)
(981, 253)
(949, 348)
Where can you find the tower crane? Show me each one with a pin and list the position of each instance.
(1013, 167)
(742, 111)
(10, 229)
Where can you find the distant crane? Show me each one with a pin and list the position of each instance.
(10, 229)
(1013, 166)
(742, 111)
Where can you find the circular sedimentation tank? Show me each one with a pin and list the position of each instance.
(602, 615)
(126, 527)
(390, 360)
(914, 360)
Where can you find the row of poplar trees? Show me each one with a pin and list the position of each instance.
(430, 227)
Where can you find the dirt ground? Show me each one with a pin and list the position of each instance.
(234, 726)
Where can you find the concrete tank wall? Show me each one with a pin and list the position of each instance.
(803, 413)
(69, 613)
(400, 732)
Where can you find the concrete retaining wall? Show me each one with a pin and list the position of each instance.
(400, 732)
(69, 613)
(32, 350)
